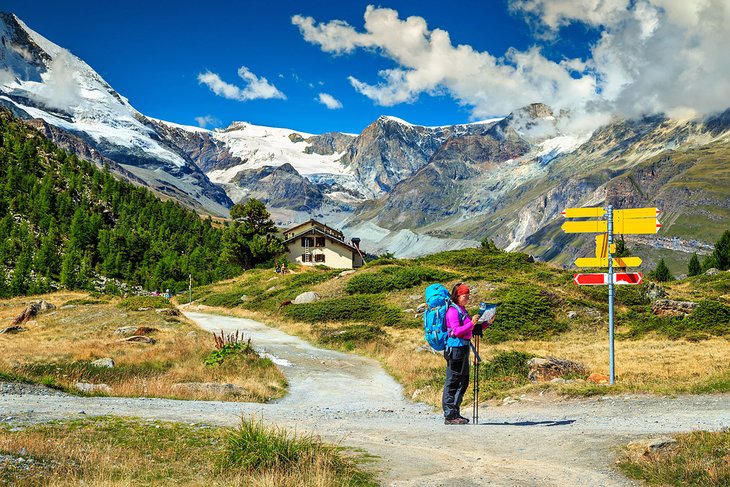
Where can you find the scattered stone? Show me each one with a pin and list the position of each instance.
(558, 380)
(654, 291)
(547, 369)
(93, 388)
(572, 315)
(652, 446)
(409, 310)
(104, 362)
(421, 308)
(191, 334)
(68, 306)
(424, 348)
(209, 388)
(712, 271)
(346, 273)
(32, 310)
(509, 400)
(307, 297)
(125, 330)
(12, 329)
(597, 378)
(139, 339)
(667, 307)
(169, 311)
(244, 297)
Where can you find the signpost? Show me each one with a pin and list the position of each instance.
(610, 222)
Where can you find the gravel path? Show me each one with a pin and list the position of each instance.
(346, 399)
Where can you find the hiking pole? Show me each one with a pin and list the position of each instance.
(476, 383)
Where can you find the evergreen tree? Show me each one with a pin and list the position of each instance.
(694, 269)
(721, 254)
(661, 272)
(251, 238)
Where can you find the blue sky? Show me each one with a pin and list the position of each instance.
(325, 65)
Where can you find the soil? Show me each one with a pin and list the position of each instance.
(351, 401)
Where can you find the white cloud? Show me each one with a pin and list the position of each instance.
(329, 101)
(255, 87)
(651, 56)
(206, 120)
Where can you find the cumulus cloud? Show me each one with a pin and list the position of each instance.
(651, 56)
(329, 101)
(207, 120)
(255, 87)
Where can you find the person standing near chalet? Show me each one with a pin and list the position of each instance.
(460, 327)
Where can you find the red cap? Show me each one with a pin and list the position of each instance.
(462, 289)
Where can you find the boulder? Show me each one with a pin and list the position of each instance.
(597, 378)
(125, 330)
(139, 339)
(346, 273)
(12, 329)
(654, 291)
(667, 307)
(307, 297)
(651, 446)
(711, 271)
(168, 311)
(572, 315)
(144, 330)
(32, 310)
(93, 388)
(104, 362)
(547, 369)
(213, 388)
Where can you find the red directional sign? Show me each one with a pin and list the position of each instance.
(602, 278)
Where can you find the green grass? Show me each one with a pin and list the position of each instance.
(525, 312)
(363, 308)
(700, 458)
(134, 303)
(349, 337)
(710, 318)
(395, 278)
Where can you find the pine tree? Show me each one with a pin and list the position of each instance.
(661, 272)
(721, 254)
(694, 269)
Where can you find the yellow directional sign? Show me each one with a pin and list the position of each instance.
(637, 213)
(583, 212)
(603, 262)
(602, 246)
(623, 226)
(589, 226)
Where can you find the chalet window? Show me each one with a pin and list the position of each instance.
(320, 242)
(306, 257)
(307, 242)
(319, 257)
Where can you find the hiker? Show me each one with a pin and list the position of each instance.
(460, 327)
(283, 268)
(277, 269)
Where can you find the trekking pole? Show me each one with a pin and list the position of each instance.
(476, 393)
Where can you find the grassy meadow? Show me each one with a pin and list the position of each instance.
(57, 348)
(374, 312)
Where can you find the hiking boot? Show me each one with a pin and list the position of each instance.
(456, 420)
(462, 417)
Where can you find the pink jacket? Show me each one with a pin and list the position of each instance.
(459, 330)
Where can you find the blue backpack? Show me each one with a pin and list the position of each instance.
(438, 301)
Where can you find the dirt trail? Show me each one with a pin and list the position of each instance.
(350, 400)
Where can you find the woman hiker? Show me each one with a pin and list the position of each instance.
(460, 327)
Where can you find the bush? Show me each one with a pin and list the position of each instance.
(366, 308)
(350, 336)
(134, 303)
(395, 279)
(709, 318)
(224, 300)
(524, 313)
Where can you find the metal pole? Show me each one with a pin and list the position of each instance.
(610, 292)
(190, 289)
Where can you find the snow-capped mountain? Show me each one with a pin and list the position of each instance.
(41, 80)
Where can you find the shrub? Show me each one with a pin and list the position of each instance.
(133, 303)
(350, 336)
(224, 300)
(368, 308)
(629, 295)
(395, 279)
(524, 313)
(661, 272)
(710, 317)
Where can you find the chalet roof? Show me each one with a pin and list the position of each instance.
(328, 230)
(313, 230)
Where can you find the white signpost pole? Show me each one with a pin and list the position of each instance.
(610, 291)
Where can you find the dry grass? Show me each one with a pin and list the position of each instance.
(57, 347)
(109, 451)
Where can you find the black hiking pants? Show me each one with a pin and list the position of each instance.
(457, 380)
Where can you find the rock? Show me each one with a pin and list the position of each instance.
(547, 369)
(68, 306)
(423, 348)
(244, 297)
(509, 400)
(307, 297)
(208, 388)
(597, 378)
(104, 362)
(139, 339)
(92, 388)
(558, 380)
(712, 271)
(169, 311)
(12, 329)
(346, 273)
(32, 310)
(667, 307)
(409, 310)
(654, 291)
(144, 330)
(421, 308)
(125, 330)
(657, 446)
(572, 315)
(191, 334)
